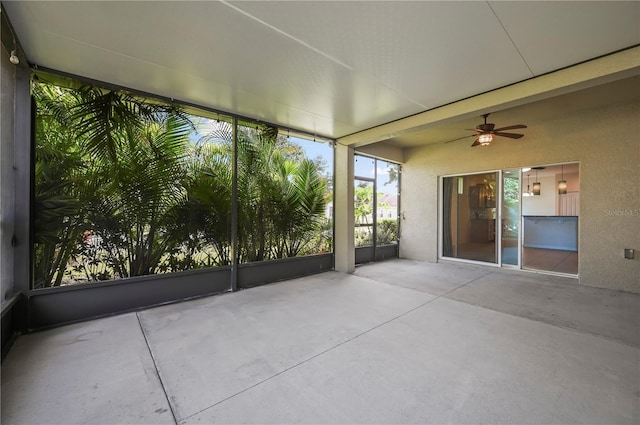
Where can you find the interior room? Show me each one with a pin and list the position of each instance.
(551, 218)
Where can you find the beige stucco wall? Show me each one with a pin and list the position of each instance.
(606, 143)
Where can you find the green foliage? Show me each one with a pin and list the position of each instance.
(363, 203)
(387, 232)
(386, 229)
(122, 189)
(60, 186)
(511, 192)
(281, 200)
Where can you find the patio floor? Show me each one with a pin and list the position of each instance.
(397, 342)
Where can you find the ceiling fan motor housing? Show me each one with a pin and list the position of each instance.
(486, 127)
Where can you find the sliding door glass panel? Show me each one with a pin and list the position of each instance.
(550, 219)
(469, 217)
(510, 217)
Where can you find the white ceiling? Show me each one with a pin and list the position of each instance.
(328, 68)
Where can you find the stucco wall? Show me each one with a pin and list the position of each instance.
(606, 143)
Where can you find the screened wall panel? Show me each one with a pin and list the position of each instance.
(130, 186)
(387, 201)
(124, 187)
(376, 202)
(284, 194)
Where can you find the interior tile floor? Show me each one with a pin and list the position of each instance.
(478, 251)
(396, 342)
(553, 260)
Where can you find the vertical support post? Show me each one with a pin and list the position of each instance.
(399, 209)
(344, 244)
(374, 210)
(7, 177)
(24, 169)
(234, 208)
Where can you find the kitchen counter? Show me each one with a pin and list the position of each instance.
(551, 232)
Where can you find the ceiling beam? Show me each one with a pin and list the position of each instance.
(589, 74)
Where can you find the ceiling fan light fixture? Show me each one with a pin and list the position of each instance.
(484, 133)
(485, 139)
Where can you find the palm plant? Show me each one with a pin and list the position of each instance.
(60, 188)
(139, 190)
(203, 221)
(363, 204)
(256, 193)
(125, 158)
(281, 199)
(301, 207)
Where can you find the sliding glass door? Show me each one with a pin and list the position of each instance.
(469, 217)
(503, 218)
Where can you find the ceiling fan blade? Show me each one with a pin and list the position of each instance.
(511, 127)
(509, 135)
(476, 143)
(460, 138)
(474, 129)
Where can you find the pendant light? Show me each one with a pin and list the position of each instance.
(536, 185)
(562, 184)
(528, 192)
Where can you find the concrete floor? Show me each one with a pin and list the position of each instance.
(396, 342)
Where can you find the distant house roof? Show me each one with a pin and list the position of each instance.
(388, 199)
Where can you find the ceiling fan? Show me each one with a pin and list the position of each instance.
(485, 132)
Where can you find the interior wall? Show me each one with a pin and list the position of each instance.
(543, 204)
(572, 179)
(606, 143)
(7, 177)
